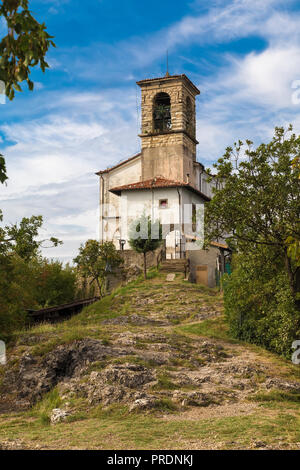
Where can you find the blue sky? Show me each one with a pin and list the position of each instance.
(83, 116)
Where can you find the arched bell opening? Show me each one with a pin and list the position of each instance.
(162, 112)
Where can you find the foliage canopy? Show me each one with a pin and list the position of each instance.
(97, 261)
(258, 199)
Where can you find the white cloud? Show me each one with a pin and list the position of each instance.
(52, 160)
(63, 137)
(265, 78)
(246, 99)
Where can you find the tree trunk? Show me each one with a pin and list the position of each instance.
(290, 273)
(145, 265)
(99, 287)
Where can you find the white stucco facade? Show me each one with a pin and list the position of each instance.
(175, 215)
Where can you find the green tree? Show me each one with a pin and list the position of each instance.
(20, 272)
(21, 239)
(55, 284)
(3, 175)
(97, 261)
(145, 236)
(23, 48)
(257, 201)
(259, 305)
(17, 281)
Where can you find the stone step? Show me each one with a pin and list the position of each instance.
(173, 266)
(174, 261)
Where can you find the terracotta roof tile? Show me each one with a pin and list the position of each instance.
(158, 182)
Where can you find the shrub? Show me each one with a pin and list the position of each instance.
(31, 284)
(258, 302)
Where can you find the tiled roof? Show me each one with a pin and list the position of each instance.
(220, 245)
(118, 164)
(158, 182)
(216, 244)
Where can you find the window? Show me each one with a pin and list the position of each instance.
(162, 112)
(194, 218)
(163, 203)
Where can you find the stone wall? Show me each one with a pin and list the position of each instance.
(178, 90)
(170, 154)
(132, 259)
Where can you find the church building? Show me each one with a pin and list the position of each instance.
(164, 180)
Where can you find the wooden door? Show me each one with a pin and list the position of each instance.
(202, 274)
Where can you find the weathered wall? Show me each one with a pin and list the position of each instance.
(170, 153)
(169, 156)
(110, 203)
(207, 258)
(178, 89)
(132, 258)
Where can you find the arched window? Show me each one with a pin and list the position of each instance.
(189, 115)
(162, 112)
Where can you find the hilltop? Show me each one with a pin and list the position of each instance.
(152, 366)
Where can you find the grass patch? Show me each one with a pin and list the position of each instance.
(76, 417)
(116, 428)
(42, 409)
(164, 383)
(165, 404)
(135, 360)
(213, 327)
(114, 412)
(276, 396)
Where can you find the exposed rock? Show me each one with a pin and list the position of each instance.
(114, 384)
(156, 358)
(283, 385)
(35, 378)
(138, 320)
(204, 398)
(211, 352)
(141, 301)
(194, 398)
(16, 444)
(128, 338)
(243, 370)
(145, 403)
(58, 415)
(128, 375)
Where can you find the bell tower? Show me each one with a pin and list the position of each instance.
(168, 130)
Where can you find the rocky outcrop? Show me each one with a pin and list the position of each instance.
(36, 377)
(116, 383)
(285, 385)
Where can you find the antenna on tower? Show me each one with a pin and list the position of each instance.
(167, 72)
